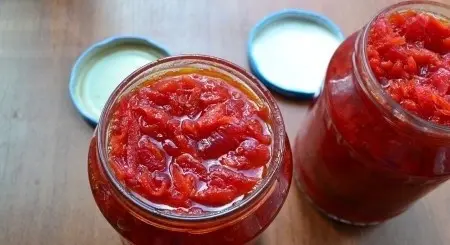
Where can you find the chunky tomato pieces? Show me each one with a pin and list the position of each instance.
(409, 53)
(188, 141)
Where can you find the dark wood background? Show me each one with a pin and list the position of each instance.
(44, 192)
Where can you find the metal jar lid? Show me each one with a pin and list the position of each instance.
(289, 51)
(101, 68)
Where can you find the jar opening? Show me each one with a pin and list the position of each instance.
(196, 62)
(369, 83)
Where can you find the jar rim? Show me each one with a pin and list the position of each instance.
(220, 65)
(378, 94)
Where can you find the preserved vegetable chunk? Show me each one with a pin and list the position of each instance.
(183, 140)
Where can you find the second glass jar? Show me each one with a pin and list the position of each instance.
(361, 158)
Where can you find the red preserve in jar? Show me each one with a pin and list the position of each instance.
(378, 137)
(190, 150)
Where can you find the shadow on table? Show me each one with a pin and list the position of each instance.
(314, 228)
(300, 223)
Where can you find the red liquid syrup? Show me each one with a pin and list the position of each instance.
(189, 142)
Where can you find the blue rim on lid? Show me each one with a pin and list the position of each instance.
(269, 23)
(109, 51)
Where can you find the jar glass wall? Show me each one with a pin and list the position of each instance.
(140, 223)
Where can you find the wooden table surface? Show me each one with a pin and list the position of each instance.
(44, 192)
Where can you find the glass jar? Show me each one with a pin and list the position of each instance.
(360, 157)
(139, 223)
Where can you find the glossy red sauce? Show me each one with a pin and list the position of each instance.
(409, 52)
(189, 142)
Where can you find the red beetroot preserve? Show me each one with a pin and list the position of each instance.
(190, 150)
(377, 138)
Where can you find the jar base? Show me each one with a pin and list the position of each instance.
(330, 215)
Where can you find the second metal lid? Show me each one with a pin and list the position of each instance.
(289, 51)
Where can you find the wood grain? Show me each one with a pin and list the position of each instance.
(44, 192)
